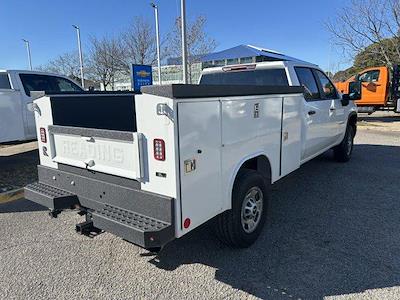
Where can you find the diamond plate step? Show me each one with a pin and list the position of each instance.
(142, 230)
(49, 196)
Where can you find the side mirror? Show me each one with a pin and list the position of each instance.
(346, 98)
(354, 93)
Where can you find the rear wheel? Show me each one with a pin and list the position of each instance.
(343, 151)
(240, 226)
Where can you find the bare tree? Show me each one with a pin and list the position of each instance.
(139, 44)
(198, 42)
(66, 64)
(369, 22)
(106, 60)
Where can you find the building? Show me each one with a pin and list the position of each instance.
(242, 54)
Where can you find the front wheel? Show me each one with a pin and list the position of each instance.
(343, 151)
(240, 226)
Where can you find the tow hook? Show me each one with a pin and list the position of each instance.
(54, 213)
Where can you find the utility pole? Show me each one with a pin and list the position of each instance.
(28, 50)
(78, 33)
(158, 41)
(184, 42)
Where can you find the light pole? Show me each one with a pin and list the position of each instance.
(184, 45)
(78, 33)
(28, 50)
(158, 41)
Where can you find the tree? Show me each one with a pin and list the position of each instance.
(198, 42)
(369, 57)
(371, 27)
(66, 64)
(106, 60)
(139, 44)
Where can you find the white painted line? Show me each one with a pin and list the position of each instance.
(12, 195)
(18, 149)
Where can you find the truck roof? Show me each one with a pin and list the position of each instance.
(10, 71)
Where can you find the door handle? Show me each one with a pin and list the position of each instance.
(311, 112)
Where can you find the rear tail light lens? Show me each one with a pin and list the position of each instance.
(43, 135)
(159, 149)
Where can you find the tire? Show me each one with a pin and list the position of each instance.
(249, 203)
(343, 151)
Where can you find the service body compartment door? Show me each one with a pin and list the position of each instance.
(200, 161)
(291, 134)
(112, 152)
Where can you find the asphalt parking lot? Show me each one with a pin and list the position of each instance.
(333, 233)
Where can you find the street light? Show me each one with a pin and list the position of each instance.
(158, 41)
(184, 45)
(78, 33)
(28, 50)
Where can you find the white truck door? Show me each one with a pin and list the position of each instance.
(11, 118)
(319, 128)
(199, 161)
(30, 127)
(337, 114)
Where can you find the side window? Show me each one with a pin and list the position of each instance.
(34, 82)
(4, 82)
(48, 84)
(307, 80)
(328, 89)
(64, 85)
(370, 76)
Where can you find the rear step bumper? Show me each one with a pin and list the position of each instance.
(49, 196)
(142, 218)
(144, 231)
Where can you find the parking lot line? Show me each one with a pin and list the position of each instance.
(18, 148)
(12, 195)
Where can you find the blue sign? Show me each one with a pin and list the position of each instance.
(141, 75)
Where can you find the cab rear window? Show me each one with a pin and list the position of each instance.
(268, 77)
(48, 84)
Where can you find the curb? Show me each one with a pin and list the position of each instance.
(11, 195)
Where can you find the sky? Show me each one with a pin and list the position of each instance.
(295, 28)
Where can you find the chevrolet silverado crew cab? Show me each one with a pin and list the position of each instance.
(17, 123)
(151, 167)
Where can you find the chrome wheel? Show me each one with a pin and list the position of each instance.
(252, 209)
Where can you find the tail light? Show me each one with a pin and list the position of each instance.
(159, 149)
(43, 135)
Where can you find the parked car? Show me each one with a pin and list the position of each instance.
(17, 123)
(152, 167)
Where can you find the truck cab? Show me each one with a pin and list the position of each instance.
(17, 123)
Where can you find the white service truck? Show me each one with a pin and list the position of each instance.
(154, 166)
(17, 123)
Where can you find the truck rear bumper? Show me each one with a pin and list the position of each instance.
(143, 218)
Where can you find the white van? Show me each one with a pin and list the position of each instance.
(17, 123)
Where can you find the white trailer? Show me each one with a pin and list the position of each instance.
(17, 123)
(152, 167)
